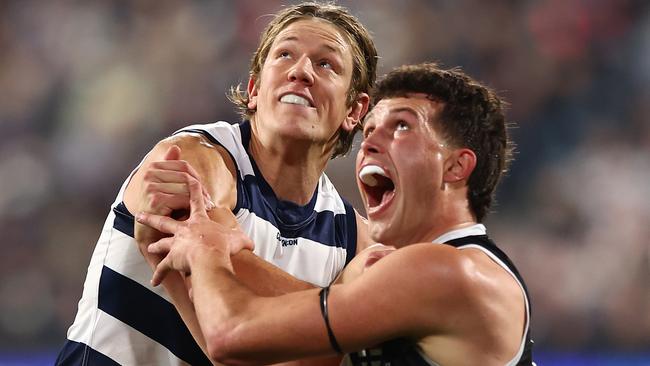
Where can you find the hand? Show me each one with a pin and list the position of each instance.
(379, 251)
(362, 261)
(197, 236)
(164, 185)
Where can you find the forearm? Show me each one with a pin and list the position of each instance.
(264, 278)
(174, 285)
(218, 300)
(241, 327)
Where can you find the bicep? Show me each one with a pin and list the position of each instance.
(386, 302)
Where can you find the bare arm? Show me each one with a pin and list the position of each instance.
(418, 291)
(367, 254)
(216, 171)
(145, 192)
(150, 190)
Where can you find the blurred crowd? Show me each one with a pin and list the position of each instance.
(87, 87)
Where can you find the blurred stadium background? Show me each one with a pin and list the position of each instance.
(87, 87)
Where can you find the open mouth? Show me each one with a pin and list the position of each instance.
(295, 99)
(379, 188)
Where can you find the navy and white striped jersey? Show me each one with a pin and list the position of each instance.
(121, 319)
(405, 352)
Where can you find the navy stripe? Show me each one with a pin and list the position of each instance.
(77, 354)
(148, 313)
(124, 220)
(324, 227)
(351, 231)
(254, 194)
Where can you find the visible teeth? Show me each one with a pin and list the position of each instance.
(295, 99)
(366, 174)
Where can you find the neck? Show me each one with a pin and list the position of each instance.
(291, 168)
(460, 225)
(450, 212)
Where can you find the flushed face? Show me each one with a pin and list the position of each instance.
(302, 91)
(400, 168)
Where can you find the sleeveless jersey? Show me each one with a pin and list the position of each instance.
(122, 320)
(405, 352)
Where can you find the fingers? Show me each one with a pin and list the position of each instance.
(375, 256)
(171, 177)
(161, 223)
(248, 244)
(162, 269)
(173, 153)
(162, 246)
(171, 196)
(237, 241)
(197, 204)
(178, 166)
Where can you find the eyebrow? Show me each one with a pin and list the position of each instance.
(325, 46)
(394, 110)
(404, 109)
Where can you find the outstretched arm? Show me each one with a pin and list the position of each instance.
(419, 290)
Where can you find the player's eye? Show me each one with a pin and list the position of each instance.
(401, 126)
(368, 131)
(325, 64)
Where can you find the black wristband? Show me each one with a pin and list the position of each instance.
(324, 292)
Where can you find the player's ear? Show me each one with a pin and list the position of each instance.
(252, 93)
(459, 165)
(356, 111)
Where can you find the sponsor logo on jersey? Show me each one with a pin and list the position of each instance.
(286, 242)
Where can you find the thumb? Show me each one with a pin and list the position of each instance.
(173, 153)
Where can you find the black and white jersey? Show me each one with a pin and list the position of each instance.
(122, 320)
(404, 352)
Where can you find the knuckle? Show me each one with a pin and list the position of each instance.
(149, 187)
(149, 172)
(156, 199)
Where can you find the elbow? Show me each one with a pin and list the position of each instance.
(225, 346)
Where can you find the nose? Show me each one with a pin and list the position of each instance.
(302, 71)
(372, 143)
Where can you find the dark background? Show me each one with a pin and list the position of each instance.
(87, 87)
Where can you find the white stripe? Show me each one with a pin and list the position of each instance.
(310, 261)
(476, 229)
(124, 258)
(82, 328)
(229, 136)
(103, 332)
(328, 198)
(127, 346)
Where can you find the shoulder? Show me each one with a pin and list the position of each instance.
(468, 274)
(211, 162)
(195, 147)
(460, 285)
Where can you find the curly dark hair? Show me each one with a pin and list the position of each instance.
(364, 57)
(472, 117)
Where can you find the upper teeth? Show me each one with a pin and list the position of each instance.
(295, 99)
(366, 174)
